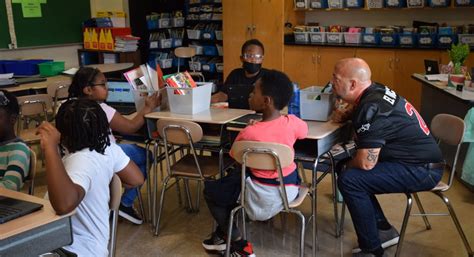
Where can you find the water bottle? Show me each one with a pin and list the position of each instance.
(294, 105)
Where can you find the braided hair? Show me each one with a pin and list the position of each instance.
(84, 77)
(83, 124)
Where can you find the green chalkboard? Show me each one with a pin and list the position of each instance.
(60, 23)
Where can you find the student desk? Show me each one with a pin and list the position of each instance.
(214, 116)
(36, 87)
(36, 233)
(320, 139)
(112, 67)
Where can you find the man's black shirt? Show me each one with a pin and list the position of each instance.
(237, 77)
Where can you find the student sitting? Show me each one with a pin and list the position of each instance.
(271, 94)
(90, 83)
(81, 179)
(14, 153)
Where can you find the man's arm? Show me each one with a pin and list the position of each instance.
(365, 159)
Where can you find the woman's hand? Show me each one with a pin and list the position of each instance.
(151, 102)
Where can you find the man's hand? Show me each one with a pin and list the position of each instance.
(49, 135)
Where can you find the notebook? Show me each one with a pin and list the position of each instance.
(121, 97)
(238, 96)
(431, 67)
(11, 208)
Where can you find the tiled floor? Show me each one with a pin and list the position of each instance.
(182, 232)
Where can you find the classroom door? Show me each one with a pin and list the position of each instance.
(381, 63)
(300, 65)
(327, 58)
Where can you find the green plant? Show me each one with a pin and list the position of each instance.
(458, 55)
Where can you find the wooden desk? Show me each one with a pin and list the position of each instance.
(112, 67)
(36, 233)
(36, 87)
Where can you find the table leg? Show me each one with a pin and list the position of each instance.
(314, 205)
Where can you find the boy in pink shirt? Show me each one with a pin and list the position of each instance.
(272, 93)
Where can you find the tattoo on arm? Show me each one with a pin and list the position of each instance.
(372, 155)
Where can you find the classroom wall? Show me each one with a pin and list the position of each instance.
(67, 53)
(357, 17)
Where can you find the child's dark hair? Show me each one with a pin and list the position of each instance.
(84, 77)
(9, 103)
(83, 124)
(278, 86)
(251, 42)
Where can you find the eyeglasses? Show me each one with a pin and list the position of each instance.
(253, 56)
(3, 99)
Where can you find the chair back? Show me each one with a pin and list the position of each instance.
(114, 203)
(30, 179)
(33, 105)
(58, 91)
(449, 129)
(185, 52)
(264, 156)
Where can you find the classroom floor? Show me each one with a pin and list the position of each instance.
(182, 232)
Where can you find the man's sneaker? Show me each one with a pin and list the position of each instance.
(129, 214)
(216, 242)
(387, 238)
(241, 248)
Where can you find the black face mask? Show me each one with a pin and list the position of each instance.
(252, 67)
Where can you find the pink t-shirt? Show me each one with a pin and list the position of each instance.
(284, 130)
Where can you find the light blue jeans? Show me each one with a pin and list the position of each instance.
(138, 155)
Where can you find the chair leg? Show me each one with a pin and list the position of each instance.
(343, 217)
(300, 168)
(140, 204)
(162, 201)
(422, 211)
(456, 223)
(198, 198)
(334, 196)
(302, 230)
(178, 191)
(113, 234)
(404, 224)
(188, 195)
(229, 229)
(244, 228)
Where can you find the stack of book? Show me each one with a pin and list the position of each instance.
(180, 80)
(127, 43)
(7, 80)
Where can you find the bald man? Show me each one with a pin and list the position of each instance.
(395, 153)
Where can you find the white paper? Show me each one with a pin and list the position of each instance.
(437, 77)
(153, 77)
(6, 76)
(71, 71)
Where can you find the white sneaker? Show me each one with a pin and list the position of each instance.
(388, 238)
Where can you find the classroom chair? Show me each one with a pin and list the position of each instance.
(114, 203)
(189, 53)
(190, 166)
(449, 130)
(58, 91)
(266, 156)
(30, 179)
(32, 108)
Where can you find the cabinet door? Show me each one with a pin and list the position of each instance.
(327, 58)
(407, 63)
(236, 26)
(267, 26)
(300, 65)
(381, 63)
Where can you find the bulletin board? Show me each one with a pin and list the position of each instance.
(59, 23)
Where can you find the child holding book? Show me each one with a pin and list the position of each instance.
(80, 180)
(271, 94)
(90, 83)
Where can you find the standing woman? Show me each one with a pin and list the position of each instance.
(91, 83)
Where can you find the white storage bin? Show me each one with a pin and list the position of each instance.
(301, 37)
(164, 23)
(153, 44)
(335, 37)
(352, 38)
(315, 105)
(336, 4)
(193, 100)
(466, 39)
(317, 37)
(199, 49)
(166, 43)
(177, 22)
(195, 66)
(219, 34)
(220, 50)
(194, 33)
(220, 67)
(166, 63)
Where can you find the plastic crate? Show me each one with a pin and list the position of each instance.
(177, 22)
(164, 23)
(352, 38)
(22, 67)
(395, 3)
(208, 66)
(318, 4)
(166, 63)
(165, 43)
(48, 69)
(466, 39)
(408, 39)
(196, 66)
(439, 3)
(463, 2)
(315, 105)
(373, 4)
(198, 48)
(415, 3)
(317, 37)
(301, 37)
(427, 40)
(335, 37)
(446, 40)
(219, 34)
(371, 39)
(193, 100)
(219, 67)
(389, 39)
(194, 33)
(220, 50)
(177, 42)
(336, 4)
(354, 3)
(210, 50)
(208, 34)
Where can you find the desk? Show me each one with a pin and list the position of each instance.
(36, 87)
(112, 67)
(36, 233)
(320, 139)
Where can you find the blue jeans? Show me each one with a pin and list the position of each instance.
(138, 155)
(359, 187)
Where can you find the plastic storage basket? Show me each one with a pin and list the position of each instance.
(193, 100)
(315, 105)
